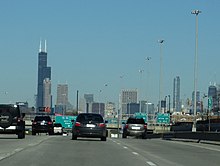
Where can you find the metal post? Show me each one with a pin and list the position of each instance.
(196, 12)
(160, 81)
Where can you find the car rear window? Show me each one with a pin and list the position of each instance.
(90, 117)
(41, 118)
(135, 121)
(57, 125)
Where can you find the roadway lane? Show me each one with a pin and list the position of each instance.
(59, 150)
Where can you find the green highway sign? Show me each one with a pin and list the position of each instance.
(65, 120)
(163, 118)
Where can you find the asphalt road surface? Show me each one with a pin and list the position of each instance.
(59, 150)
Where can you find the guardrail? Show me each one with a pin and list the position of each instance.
(207, 136)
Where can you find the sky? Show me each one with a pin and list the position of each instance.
(100, 47)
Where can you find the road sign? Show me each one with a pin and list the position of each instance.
(65, 120)
(163, 118)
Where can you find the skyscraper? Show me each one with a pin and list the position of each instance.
(176, 94)
(62, 94)
(47, 100)
(44, 72)
(127, 97)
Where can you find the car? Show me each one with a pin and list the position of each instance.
(58, 128)
(90, 125)
(11, 120)
(135, 127)
(42, 124)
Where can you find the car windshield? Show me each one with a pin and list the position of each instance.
(57, 125)
(42, 118)
(85, 118)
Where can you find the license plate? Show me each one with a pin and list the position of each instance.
(42, 123)
(90, 125)
(135, 128)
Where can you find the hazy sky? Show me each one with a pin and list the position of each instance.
(93, 43)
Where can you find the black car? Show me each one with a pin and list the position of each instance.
(89, 125)
(135, 127)
(11, 120)
(42, 124)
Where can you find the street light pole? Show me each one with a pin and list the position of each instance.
(160, 81)
(140, 71)
(195, 12)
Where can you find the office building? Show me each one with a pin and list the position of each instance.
(176, 94)
(47, 97)
(127, 97)
(44, 72)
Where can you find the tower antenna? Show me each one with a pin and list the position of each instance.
(45, 46)
(40, 49)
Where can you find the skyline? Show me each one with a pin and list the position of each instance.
(94, 44)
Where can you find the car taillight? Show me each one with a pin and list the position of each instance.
(77, 124)
(145, 126)
(126, 126)
(101, 124)
(34, 122)
(49, 123)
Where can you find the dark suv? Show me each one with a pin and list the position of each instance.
(42, 124)
(135, 127)
(89, 125)
(11, 120)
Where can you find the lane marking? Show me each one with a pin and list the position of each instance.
(151, 163)
(135, 153)
(125, 147)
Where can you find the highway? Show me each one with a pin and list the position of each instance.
(43, 150)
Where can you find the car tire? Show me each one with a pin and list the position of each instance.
(33, 133)
(103, 139)
(74, 137)
(124, 135)
(50, 133)
(7, 123)
(21, 134)
(144, 136)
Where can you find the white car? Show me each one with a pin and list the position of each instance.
(58, 129)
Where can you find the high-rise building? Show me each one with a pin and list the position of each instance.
(176, 94)
(43, 72)
(198, 104)
(62, 94)
(213, 94)
(127, 97)
(47, 97)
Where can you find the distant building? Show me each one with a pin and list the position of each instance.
(89, 98)
(47, 97)
(133, 108)
(110, 111)
(213, 94)
(126, 97)
(88, 101)
(98, 108)
(62, 94)
(43, 72)
(62, 99)
(176, 94)
(198, 102)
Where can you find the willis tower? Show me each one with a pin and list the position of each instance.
(44, 72)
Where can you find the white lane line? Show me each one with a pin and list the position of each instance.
(125, 147)
(150, 163)
(119, 143)
(18, 150)
(135, 153)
